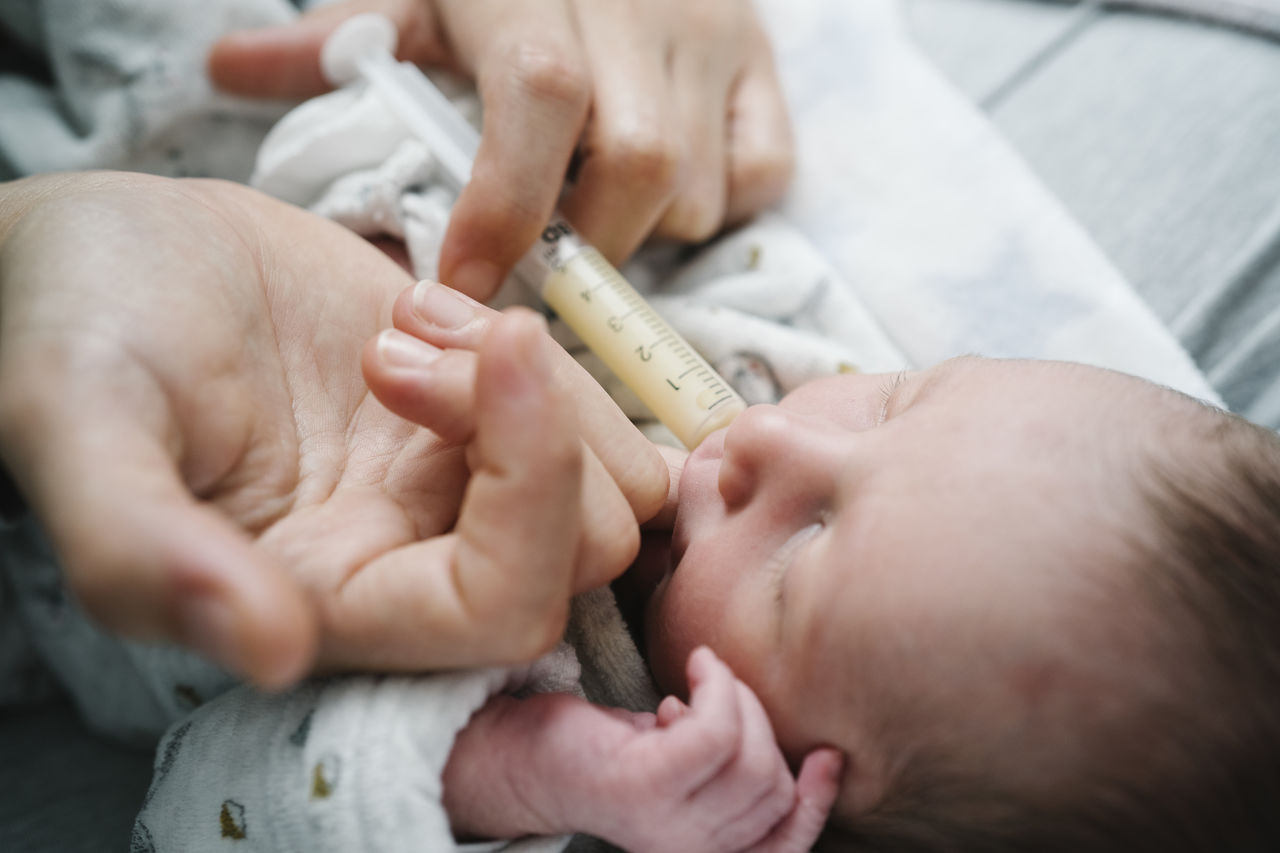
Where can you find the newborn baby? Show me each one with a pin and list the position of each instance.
(1033, 604)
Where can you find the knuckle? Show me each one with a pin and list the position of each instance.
(694, 218)
(759, 179)
(546, 75)
(761, 770)
(642, 158)
(722, 741)
(765, 172)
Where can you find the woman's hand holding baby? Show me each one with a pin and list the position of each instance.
(672, 109)
(182, 406)
(707, 776)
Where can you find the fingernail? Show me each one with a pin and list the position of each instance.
(208, 625)
(397, 349)
(478, 279)
(442, 306)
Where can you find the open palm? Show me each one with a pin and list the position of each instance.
(181, 400)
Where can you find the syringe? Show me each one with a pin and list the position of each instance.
(647, 354)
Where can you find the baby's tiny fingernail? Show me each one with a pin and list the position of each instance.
(396, 349)
(442, 306)
(477, 278)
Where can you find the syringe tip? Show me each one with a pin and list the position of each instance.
(357, 37)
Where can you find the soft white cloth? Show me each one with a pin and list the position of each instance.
(337, 765)
(355, 763)
(127, 88)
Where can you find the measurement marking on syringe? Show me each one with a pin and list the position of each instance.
(660, 339)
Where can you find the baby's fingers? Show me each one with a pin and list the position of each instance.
(755, 790)
(699, 741)
(670, 710)
(816, 790)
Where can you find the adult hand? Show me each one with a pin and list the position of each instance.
(673, 109)
(181, 404)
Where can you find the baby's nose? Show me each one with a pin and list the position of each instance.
(775, 450)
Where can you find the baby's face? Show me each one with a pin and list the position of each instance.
(881, 557)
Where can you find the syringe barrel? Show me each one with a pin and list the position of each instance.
(681, 389)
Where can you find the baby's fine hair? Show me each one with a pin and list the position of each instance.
(1209, 776)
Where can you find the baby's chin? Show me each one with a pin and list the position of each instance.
(667, 642)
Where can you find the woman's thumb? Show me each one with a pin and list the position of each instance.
(157, 564)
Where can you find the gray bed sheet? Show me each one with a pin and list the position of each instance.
(1161, 136)
(66, 789)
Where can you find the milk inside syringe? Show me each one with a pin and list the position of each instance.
(593, 298)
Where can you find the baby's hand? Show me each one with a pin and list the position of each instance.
(705, 777)
(710, 777)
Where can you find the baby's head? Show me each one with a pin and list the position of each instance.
(1036, 604)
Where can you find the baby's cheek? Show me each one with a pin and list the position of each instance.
(666, 640)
